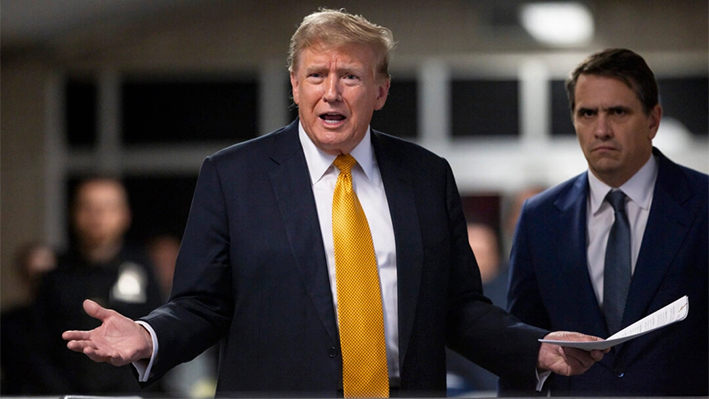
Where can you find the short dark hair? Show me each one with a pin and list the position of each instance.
(622, 64)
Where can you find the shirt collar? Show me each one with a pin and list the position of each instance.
(319, 161)
(639, 188)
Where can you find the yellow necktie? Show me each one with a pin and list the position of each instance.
(359, 299)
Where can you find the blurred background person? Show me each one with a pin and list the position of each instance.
(493, 270)
(99, 265)
(511, 216)
(198, 377)
(464, 377)
(23, 368)
(162, 250)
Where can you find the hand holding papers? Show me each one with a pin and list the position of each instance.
(672, 313)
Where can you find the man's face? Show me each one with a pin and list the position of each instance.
(337, 91)
(101, 214)
(614, 132)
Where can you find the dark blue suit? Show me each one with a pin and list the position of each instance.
(550, 286)
(252, 273)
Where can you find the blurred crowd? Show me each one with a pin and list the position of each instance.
(132, 278)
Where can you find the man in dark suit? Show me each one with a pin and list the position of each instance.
(259, 267)
(560, 274)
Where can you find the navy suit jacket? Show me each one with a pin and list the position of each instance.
(550, 286)
(252, 274)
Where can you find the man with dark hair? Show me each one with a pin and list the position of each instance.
(614, 244)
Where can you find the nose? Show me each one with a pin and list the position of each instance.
(603, 129)
(332, 90)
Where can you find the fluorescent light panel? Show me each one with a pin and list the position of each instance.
(557, 23)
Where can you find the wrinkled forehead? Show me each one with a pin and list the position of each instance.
(351, 51)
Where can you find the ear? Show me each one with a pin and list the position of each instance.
(382, 94)
(654, 120)
(294, 86)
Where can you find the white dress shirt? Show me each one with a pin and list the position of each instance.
(368, 185)
(600, 217)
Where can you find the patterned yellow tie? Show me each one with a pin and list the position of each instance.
(359, 299)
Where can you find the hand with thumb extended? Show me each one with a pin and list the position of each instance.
(118, 340)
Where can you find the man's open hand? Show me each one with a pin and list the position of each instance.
(118, 340)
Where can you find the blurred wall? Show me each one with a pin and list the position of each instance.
(22, 160)
(231, 36)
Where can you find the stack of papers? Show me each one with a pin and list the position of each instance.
(672, 313)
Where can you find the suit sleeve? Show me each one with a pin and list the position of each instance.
(200, 306)
(480, 331)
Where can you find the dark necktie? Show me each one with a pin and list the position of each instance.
(616, 273)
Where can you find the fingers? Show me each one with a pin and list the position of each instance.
(566, 360)
(578, 360)
(96, 355)
(89, 349)
(75, 335)
(571, 336)
(114, 358)
(77, 346)
(95, 310)
(597, 355)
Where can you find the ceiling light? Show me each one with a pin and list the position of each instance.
(558, 23)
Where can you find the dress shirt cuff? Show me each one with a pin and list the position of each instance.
(541, 378)
(144, 367)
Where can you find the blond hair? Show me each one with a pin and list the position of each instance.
(338, 28)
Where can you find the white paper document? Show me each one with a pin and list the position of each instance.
(672, 313)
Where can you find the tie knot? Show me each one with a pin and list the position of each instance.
(617, 200)
(345, 162)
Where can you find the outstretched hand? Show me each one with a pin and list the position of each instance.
(118, 340)
(568, 361)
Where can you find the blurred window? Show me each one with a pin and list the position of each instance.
(561, 124)
(399, 117)
(81, 118)
(484, 108)
(686, 99)
(183, 111)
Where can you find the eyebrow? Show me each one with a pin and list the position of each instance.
(341, 68)
(611, 108)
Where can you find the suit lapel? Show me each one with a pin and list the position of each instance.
(407, 232)
(667, 225)
(291, 184)
(572, 254)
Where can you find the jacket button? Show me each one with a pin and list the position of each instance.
(332, 352)
(619, 373)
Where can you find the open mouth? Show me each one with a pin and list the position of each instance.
(332, 118)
